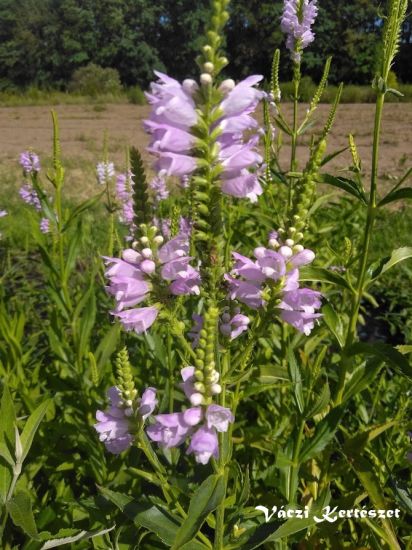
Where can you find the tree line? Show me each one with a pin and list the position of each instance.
(42, 42)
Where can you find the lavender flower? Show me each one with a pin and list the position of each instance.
(230, 325)
(30, 162)
(160, 191)
(45, 225)
(115, 424)
(30, 196)
(3, 213)
(172, 430)
(125, 198)
(173, 116)
(275, 273)
(131, 278)
(297, 19)
(104, 171)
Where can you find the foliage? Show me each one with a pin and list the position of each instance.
(92, 80)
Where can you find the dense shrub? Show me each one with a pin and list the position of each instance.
(93, 80)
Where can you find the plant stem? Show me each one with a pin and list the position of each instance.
(296, 84)
(294, 471)
(370, 220)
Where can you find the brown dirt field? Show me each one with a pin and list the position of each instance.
(82, 129)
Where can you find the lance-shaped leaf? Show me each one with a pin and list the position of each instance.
(383, 352)
(362, 378)
(19, 508)
(31, 426)
(324, 433)
(322, 275)
(382, 266)
(204, 501)
(346, 184)
(7, 442)
(69, 536)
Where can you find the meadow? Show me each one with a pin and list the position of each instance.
(206, 312)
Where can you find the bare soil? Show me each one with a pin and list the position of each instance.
(82, 129)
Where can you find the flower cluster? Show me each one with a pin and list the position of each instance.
(29, 195)
(114, 425)
(297, 20)
(175, 113)
(132, 276)
(30, 162)
(104, 171)
(124, 195)
(200, 423)
(273, 278)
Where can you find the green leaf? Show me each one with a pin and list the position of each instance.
(383, 352)
(334, 323)
(402, 495)
(71, 538)
(107, 346)
(205, 499)
(361, 378)
(346, 184)
(320, 404)
(331, 156)
(355, 445)
(324, 433)
(381, 267)
(19, 508)
(322, 275)
(399, 194)
(296, 379)
(89, 203)
(7, 442)
(151, 517)
(31, 426)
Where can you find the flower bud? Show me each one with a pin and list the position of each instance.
(227, 86)
(286, 251)
(289, 242)
(216, 389)
(199, 375)
(273, 243)
(159, 240)
(259, 252)
(208, 67)
(148, 266)
(298, 248)
(190, 86)
(147, 253)
(196, 399)
(144, 240)
(199, 386)
(131, 256)
(206, 79)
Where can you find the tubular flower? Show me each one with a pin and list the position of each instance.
(30, 162)
(297, 20)
(124, 196)
(115, 424)
(104, 171)
(199, 423)
(137, 275)
(30, 196)
(174, 114)
(274, 277)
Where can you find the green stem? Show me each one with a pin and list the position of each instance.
(294, 471)
(293, 165)
(171, 370)
(370, 221)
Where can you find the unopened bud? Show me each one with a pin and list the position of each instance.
(147, 253)
(273, 243)
(206, 79)
(159, 239)
(286, 251)
(131, 256)
(196, 399)
(298, 248)
(227, 86)
(216, 389)
(199, 386)
(190, 86)
(289, 242)
(144, 240)
(148, 266)
(208, 67)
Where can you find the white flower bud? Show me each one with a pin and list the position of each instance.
(273, 243)
(144, 240)
(207, 48)
(196, 399)
(216, 389)
(298, 248)
(190, 86)
(208, 67)
(227, 86)
(289, 242)
(286, 251)
(259, 252)
(299, 236)
(147, 253)
(214, 377)
(135, 244)
(292, 230)
(206, 79)
(199, 386)
(159, 239)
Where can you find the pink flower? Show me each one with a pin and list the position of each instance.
(204, 444)
(139, 319)
(147, 403)
(113, 425)
(30, 162)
